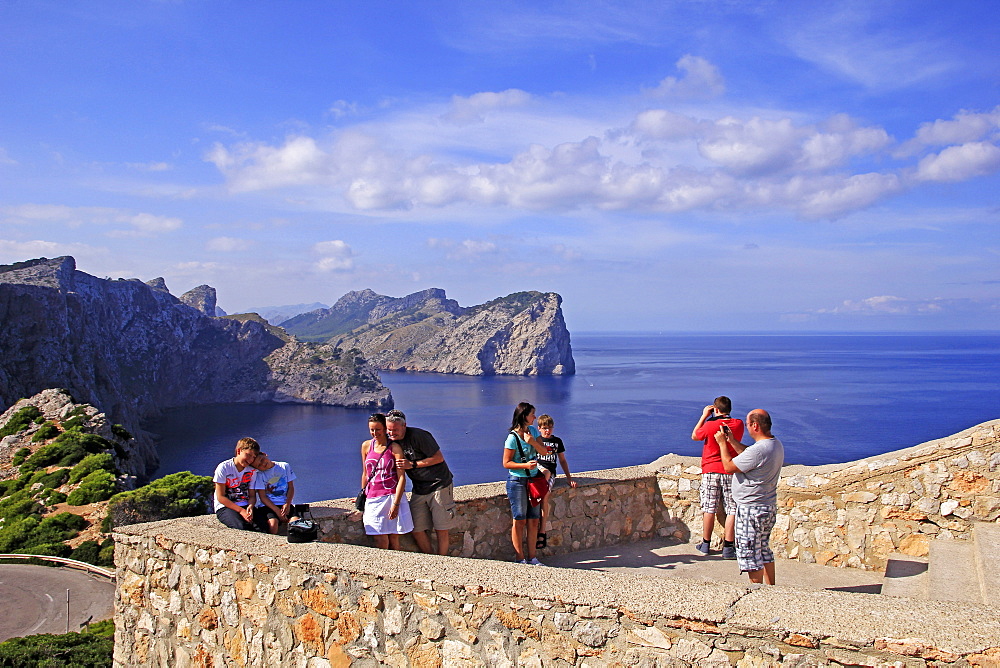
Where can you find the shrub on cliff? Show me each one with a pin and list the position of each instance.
(96, 486)
(20, 420)
(176, 495)
(20, 456)
(99, 462)
(93, 647)
(69, 448)
(45, 432)
(30, 535)
(99, 554)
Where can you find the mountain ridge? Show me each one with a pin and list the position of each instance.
(523, 333)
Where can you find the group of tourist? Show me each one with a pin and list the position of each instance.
(738, 485)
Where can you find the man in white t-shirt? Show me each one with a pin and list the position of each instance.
(756, 470)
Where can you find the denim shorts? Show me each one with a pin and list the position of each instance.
(517, 494)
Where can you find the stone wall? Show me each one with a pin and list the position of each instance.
(190, 593)
(608, 508)
(847, 515)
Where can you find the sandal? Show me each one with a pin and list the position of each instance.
(542, 541)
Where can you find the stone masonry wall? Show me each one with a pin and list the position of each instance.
(847, 515)
(608, 508)
(189, 594)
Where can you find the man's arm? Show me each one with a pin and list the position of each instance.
(407, 464)
(701, 421)
(723, 439)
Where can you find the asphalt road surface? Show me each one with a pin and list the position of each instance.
(34, 599)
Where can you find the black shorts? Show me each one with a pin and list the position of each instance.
(261, 514)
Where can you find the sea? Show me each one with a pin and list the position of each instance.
(635, 397)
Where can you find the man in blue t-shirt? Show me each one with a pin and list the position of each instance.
(756, 470)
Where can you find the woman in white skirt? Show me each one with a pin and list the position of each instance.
(387, 512)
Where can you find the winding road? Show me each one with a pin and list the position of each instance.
(34, 599)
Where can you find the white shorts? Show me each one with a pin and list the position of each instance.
(376, 517)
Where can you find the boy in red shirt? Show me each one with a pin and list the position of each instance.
(716, 484)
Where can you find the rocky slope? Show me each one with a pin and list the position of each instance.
(132, 349)
(521, 334)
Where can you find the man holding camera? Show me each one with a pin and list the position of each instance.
(716, 485)
(755, 490)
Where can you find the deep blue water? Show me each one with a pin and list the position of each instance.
(635, 397)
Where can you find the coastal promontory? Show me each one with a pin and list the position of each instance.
(132, 349)
(521, 334)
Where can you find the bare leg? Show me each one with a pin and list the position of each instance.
(394, 541)
(532, 537)
(545, 513)
(442, 537)
(764, 575)
(423, 541)
(272, 525)
(707, 525)
(730, 523)
(517, 538)
(381, 542)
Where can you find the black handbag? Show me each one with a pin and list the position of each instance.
(302, 530)
(359, 502)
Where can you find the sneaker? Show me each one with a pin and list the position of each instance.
(520, 561)
(704, 547)
(534, 562)
(728, 551)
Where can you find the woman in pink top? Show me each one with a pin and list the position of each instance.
(387, 512)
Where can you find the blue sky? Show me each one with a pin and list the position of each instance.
(669, 166)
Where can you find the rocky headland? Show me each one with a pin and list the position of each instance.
(132, 349)
(521, 334)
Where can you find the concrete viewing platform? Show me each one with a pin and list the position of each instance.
(675, 559)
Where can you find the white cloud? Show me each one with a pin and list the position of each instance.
(699, 79)
(5, 158)
(891, 305)
(754, 146)
(149, 166)
(228, 244)
(959, 163)
(16, 251)
(843, 195)
(337, 256)
(472, 109)
(137, 224)
(342, 108)
(664, 125)
(255, 166)
(467, 249)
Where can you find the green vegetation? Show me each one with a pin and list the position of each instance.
(76, 419)
(69, 448)
(20, 456)
(20, 421)
(45, 432)
(29, 535)
(176, 495)
(91, 463)
(92, 648)
(96, 486)
(121, 432)
(99, 554)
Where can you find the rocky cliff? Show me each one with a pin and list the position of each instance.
(521, 334)
(132, 349)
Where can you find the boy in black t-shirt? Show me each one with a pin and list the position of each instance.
(547, 464)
